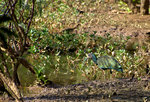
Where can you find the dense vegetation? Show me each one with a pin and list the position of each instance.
(75, 47)
(56, 49)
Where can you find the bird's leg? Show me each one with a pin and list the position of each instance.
(111, 75)
(110, 71)
(104, 74)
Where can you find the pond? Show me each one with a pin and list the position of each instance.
(63, 70)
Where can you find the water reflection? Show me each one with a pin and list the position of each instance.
(58, 72)
(63, 71)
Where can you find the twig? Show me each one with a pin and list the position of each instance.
(32, 13)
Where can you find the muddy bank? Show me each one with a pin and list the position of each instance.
(118, 90)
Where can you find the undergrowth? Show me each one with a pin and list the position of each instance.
(64, 54)
(60, 53)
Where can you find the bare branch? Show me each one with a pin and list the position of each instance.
(32, 14)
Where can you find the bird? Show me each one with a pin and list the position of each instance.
(106, 62)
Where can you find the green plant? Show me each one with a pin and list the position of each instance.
(124, 6)
(14, 41)
(71, 62)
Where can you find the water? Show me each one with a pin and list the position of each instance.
(60, 72)
(64, 70)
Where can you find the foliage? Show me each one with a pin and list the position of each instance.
(14, 41)
(65, 54)
(59, 15)
(5, 35)
(67, 49)
(124, 6)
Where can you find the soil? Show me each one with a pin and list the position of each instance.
(115, 22)
(118, 90)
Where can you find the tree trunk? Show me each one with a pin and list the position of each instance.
(144, 9)
(15, 74)
(26, 64)
(11, 87)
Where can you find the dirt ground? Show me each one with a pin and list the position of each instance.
(115, 22)
(121, 90)
(118, 90)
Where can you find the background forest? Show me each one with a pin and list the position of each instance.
(45, 43)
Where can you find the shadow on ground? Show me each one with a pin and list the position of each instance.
(117, 90)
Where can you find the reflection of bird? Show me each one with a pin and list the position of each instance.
(106, 62)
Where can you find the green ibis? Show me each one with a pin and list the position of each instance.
(106, 62)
